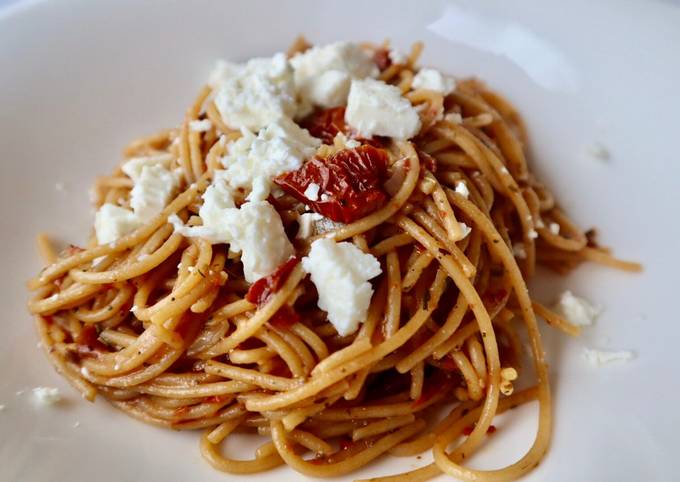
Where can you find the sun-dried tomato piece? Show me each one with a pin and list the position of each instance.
(350, 183)
(326, 124)
(382, 59)
(262, 289)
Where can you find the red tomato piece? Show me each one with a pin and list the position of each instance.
(326, 124)
(350, 183)
(262, 289)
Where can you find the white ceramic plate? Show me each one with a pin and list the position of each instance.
(78, 79)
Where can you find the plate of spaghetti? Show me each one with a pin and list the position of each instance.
(323, 254)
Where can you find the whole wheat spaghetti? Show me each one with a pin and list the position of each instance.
(166, 327)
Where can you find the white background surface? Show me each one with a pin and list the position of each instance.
(78, 79)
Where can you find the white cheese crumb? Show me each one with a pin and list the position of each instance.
(454, 118)
(340, 272)
(504, 170)
(84, 372)
(306, 222)
(576, 310)
(602, 357)
(554, 228)
(325, 197)
(312, 192)
(253, 161)
(133, 167)
(46, 395)
(200, 125)
(341, 140)
(598, 151)
(376, 108)
(323, 74)
(466, 229)
(255, 229)
(112, 222)
(152, 191)
(462, 189)
(533, 234)
(397, 56)
(518, 251)
(254, 94)
(540, 223)
(432, 79)
(153, 186)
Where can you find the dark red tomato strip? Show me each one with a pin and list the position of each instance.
(350, 183)
(260, 292)
(262, 289)
(326, 124)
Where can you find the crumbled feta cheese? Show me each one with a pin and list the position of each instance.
(432, 79)
(306, 222)
(504, 170)
(462, 189)
(218, 202)
(602, 357)
(518, 251)
(312, 191)
(323, 74)
(454, 118)
(253, 161)
(200, 125)
(258, 232)
(376, 108)
(341, 140)
(533, 234)
(112, 222)
(152, 191)
(540, 223)
(46, 395)
(325, 197)
(466, 230)
(576, 310)
(340, 272)
(397, 57)
(598, 151)
(254, 94)
(255, 229)
(554, 228)
(84, 372)
(133, 166)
